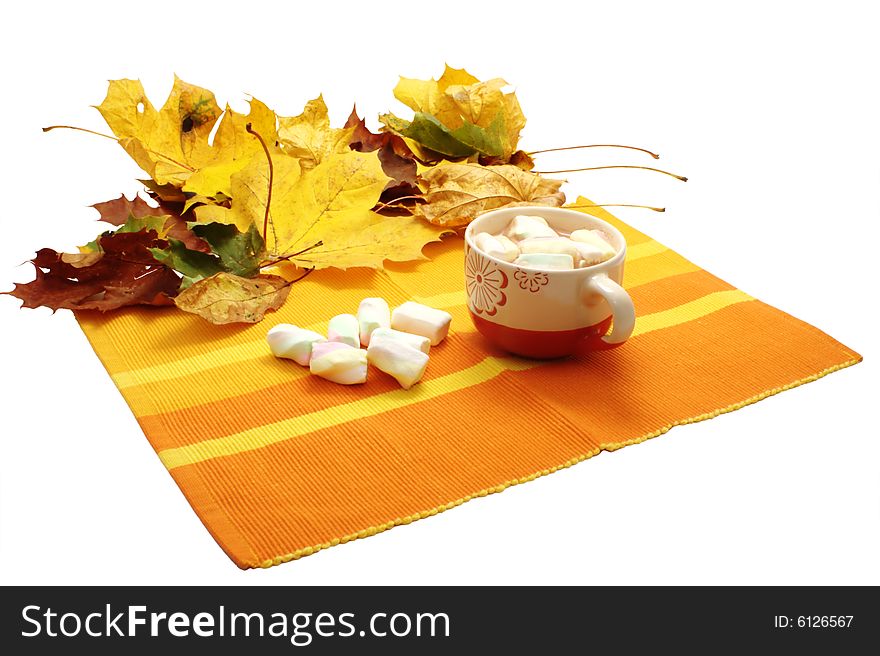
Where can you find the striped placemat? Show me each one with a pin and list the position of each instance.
(279, 464)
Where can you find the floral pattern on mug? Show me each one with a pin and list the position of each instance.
(531, 281)
(485, 284)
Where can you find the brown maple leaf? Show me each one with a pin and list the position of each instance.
(398, 161)
(117, 212)
(126, 274)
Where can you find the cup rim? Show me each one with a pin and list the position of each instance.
(618, 257)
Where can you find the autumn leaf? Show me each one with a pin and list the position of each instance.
(173, 144)
(170, 143)
(164, 193)
(309, 135)
(456, 193)
(226, 298)
(240, 253)
(396, 158)
(232, 150)
(121, 210)
(331, 204)
(117, 211)
(459, 116)
(194, 265)
(125, 274)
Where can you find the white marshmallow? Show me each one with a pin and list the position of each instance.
(291, 342)
(497, 246)
(588, 254)
(596, 239)
(405, 363)
(528, 227)
(416, 341)
(549, 245)
(344, 328)
(372, 313)
(320, 349)
(545, 261)
(421, 320)
(340, 363)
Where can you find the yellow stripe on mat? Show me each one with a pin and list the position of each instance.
(261, 436)
(248, 350)
(485, 370)
(689, 311)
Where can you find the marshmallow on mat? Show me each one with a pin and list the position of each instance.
(497, 246)
(549, 245)
(291, 342)
(528, 227)
(418, 319)
(596, 239)
(545, 261)
(344, 328)
(405, 363)
(339, 363)
(372, 313)
(320, 349)
(416, 341)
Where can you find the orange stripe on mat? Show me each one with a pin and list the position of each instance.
(394, 475)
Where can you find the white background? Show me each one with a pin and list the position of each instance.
(770, 108)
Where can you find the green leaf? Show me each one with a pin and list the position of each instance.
(240, 253)
(192, 264)
(464, 141)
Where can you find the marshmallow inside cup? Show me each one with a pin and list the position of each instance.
(530, 242)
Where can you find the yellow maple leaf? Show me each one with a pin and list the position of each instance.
(309, 135)
(459, 115)
(330, 203)
(169, 143)
(233, 148)
(456, 193)
(172, 144)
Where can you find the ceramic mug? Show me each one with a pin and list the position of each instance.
(547, 314)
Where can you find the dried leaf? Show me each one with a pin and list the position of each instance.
(464, 141)
(459, 116)
(116, 211)
(120, 210)
(167, 193)
(457, 193)
(233, 148)
(192, 264)
(226, 298)
(363, 140)
(309, 135)
(398, 161)
(239, 252)
(330, 203)
(125, 274)
(170, 143)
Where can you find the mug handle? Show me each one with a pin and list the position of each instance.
(622, 310)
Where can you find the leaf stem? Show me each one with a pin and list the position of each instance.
(553, 150)
(287, 257)
(616, 166)
(250, 129)
(646, 207)
(307, 272)
(119, 141)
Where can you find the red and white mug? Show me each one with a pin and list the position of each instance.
(547, 314)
